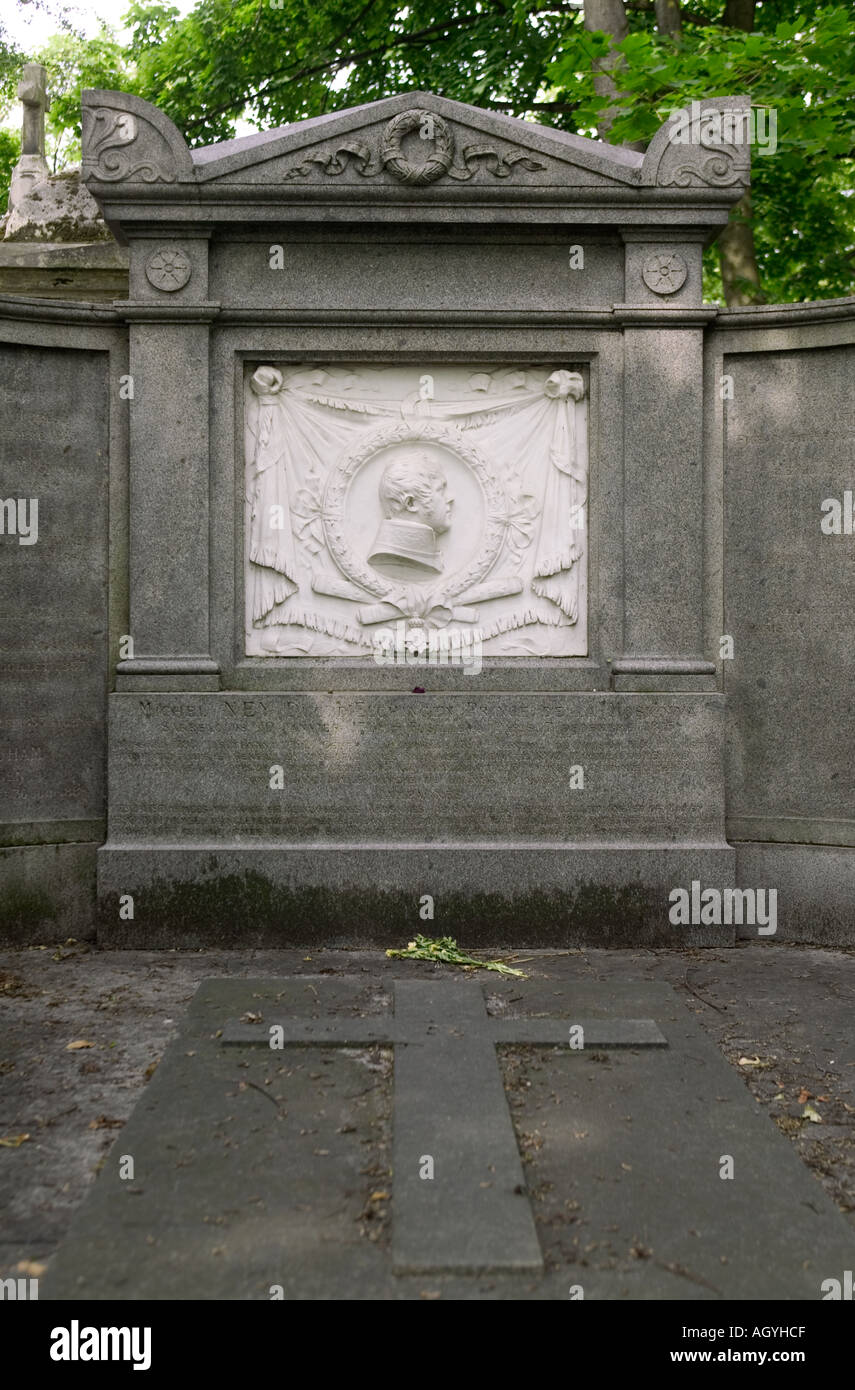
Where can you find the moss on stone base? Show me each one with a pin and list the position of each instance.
(249, 909)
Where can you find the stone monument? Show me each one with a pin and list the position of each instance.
(32, 167)
(55, 242)
(389, 387)
(400, 305)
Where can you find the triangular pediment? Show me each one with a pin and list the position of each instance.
(425, 147)
(417, 140)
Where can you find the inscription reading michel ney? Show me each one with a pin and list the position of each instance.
(448, 497)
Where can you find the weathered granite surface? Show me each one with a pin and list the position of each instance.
(356, 245)
(95, 272)
(57, 209)
(53, 607)
(307, 1195)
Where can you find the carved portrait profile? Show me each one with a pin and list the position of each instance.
(417, 510)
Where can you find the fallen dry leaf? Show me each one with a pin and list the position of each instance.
(250, 1017)
(105, 1122)
(10, 984)
(757, 1062)
(810, 1114)
(75, 1046)
(14, 1141)
(31, 1267)
(379, 1197)
(804, 1096)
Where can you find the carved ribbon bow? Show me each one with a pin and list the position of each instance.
(432, 609)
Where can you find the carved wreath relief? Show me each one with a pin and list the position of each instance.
(450, 497)
(432, 154)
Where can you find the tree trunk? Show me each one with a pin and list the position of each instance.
(668, 19)
(739, 274)
(610, 17)
(740, 277)
(739, 14)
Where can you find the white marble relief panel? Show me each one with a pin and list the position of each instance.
(453, 497)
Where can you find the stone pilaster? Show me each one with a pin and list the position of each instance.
(663, 323)
(169, 317)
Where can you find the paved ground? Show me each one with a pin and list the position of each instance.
(783, 1018)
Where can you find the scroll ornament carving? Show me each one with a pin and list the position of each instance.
(720, 170)
(389, 155)
(707, 146)
(119, 145)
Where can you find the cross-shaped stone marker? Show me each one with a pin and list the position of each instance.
(450, 1107)
(32, 92)
(32, 165)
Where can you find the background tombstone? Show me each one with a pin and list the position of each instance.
(32, 166)
(54, 241)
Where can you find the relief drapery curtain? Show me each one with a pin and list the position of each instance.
(299, 422)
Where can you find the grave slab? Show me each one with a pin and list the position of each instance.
(449, 1096)
(293, 1172)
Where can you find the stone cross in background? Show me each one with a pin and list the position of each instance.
(32, 90)
(32, 166)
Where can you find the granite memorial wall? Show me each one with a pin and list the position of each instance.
(414, 540)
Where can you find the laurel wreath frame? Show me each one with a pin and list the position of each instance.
(342, 474)
(392, 153)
